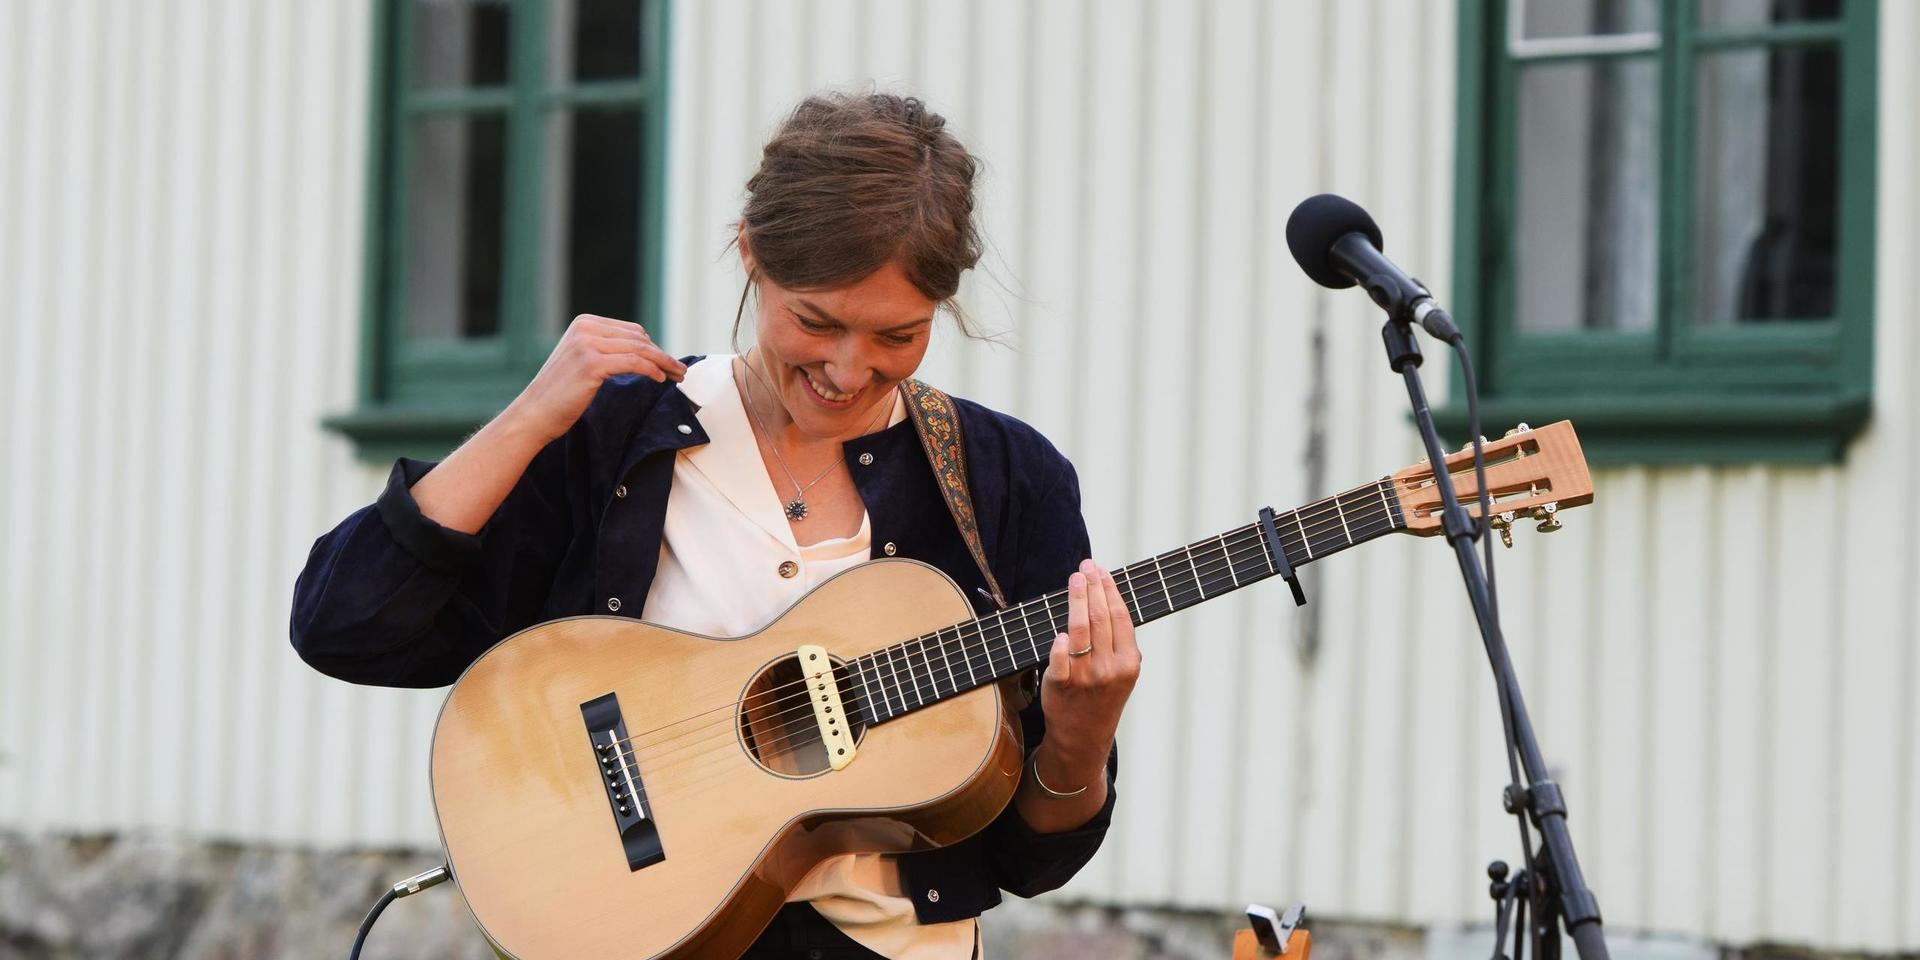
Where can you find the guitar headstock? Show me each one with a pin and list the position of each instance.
(1532, 473)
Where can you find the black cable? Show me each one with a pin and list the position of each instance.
(1472, 389)
(360, 939)
(405, 888)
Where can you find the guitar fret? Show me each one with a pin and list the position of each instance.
(1303, 534)
(889, 687)
(899, 650)
(866, 689)
(1135, 610)
(1007, 638)
(1033, 644)
(1228, 554)
(1164, 592)
(1197, 584)
(952, 680)
(1341, 511)
(933, 680)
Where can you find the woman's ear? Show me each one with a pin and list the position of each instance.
(746, 251)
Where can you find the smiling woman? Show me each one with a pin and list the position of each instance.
(711, 495)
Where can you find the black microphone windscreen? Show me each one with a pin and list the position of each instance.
(1314, 226)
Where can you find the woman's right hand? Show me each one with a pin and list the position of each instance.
(592, 349)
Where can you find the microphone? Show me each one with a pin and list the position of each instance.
(1338, 245)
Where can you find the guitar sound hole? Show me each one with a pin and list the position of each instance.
(777, 724)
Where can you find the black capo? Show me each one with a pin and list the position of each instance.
(1280, 564)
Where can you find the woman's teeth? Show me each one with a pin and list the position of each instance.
(826, 391)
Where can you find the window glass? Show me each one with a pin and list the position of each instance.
(1766, 184)
(594, 40)
(1541, 19)
(1757, 13)
(1587, 206)
(459, 43)
(455, 191)
(590, 237)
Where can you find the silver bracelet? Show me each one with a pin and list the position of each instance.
(1033, 766)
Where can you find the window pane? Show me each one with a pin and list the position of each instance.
(1585, 18)
(594, 40)
(590, 241)
(1766, 184)
(1586, 231)
(455, 190)
(1759, 13)
(459, 43)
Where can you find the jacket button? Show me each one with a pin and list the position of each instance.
(788, 568)
(933, 896)
(684, 429)
(620, 492)
(613, 603)
(890, 548)
(866, 459)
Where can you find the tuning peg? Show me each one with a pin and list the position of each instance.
(1503, 522)
(1547, 514)
(1522, 428)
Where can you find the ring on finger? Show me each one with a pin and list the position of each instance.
(1081, 652)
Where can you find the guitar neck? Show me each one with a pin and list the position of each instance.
(953, 660)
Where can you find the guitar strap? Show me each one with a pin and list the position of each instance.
(938, 424)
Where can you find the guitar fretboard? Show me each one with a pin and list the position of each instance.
(927, 669)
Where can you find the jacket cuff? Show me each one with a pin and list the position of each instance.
(1014, 827)
(436, 547)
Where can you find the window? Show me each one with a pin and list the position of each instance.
(514, 181)
(1665, 222)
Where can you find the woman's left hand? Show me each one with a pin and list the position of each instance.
(1091, 670)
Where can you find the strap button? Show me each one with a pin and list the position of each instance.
(866, 459)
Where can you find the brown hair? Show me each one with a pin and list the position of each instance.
(851, 183)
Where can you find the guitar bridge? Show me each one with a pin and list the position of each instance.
(620, 775)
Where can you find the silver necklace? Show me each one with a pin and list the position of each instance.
(797, 507)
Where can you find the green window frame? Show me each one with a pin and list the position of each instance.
(1677, 391)
(421, 394)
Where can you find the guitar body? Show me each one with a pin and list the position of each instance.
(742, 798)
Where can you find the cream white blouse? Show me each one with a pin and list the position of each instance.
(725, 542)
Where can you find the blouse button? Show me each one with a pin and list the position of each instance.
(788, 568)
(889, 548)
(866, 459)
(620, 492)
(613, 603)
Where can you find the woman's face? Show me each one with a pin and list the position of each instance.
(834, 356)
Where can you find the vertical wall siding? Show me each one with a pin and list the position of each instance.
(1720, 659)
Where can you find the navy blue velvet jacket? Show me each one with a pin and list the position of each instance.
(390, 597)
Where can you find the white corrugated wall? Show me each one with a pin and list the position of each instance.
(1720, 659)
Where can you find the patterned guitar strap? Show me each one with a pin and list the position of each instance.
(938, 424)
(939, 428)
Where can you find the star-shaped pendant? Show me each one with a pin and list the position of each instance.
(797, 510)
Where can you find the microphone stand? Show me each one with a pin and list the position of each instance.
(1552, 880)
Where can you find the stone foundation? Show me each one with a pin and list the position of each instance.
(69, 898)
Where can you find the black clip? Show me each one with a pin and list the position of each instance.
(1280, 564)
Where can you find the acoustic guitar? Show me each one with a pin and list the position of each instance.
(607, 787)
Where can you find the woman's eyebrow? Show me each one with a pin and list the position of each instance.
(830, 318)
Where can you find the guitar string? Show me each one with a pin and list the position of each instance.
(705, 767)
(1305, 536)
(972, 655)
(1248, 541)
(809, 734)
(977, 627)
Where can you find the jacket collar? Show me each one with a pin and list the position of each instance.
(668, 425)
